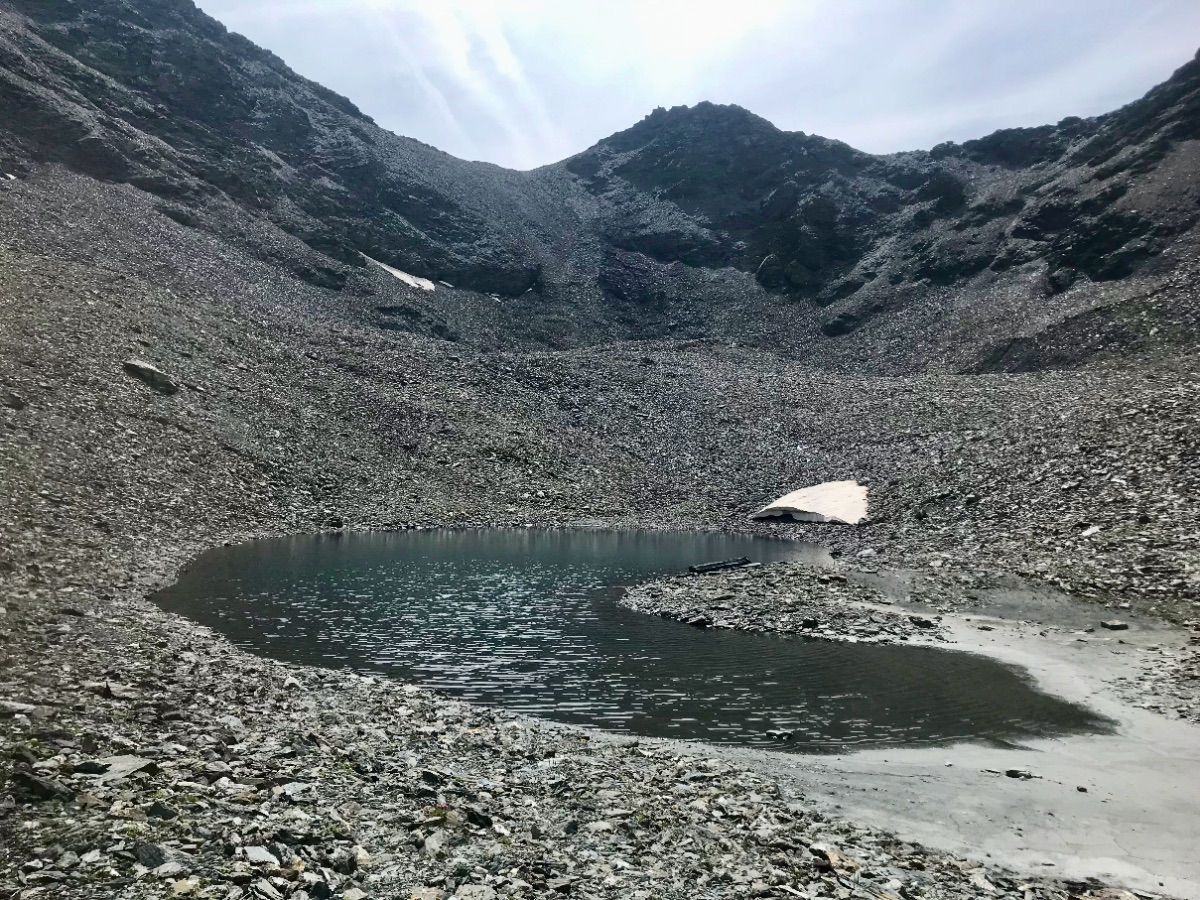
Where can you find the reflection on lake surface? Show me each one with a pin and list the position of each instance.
(527, 619)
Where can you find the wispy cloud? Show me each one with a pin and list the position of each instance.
(525, 82)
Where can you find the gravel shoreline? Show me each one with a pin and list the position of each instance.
(785, 599)
(859, 603)
(161, 761)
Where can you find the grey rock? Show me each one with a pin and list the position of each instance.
(28, 787)
(259, 856)
(152, 855)
(150, 375)
(117, 768)
(265, 890)
(160, 810)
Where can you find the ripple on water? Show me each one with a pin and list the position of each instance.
(527, 619)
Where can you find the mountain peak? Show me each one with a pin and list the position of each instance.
(705, 121)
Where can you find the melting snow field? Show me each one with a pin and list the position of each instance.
(411, 280)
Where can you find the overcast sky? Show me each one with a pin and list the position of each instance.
(526, 82)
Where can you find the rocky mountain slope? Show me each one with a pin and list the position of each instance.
(998, 338)
(1024, 249)
(292, 415)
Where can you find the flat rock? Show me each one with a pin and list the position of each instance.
(118, 767)
(150, 375)
(259, 856)
(475, 892)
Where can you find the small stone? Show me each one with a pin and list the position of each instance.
(434, 843)
(150, 375)
(1115, 625)
(119, 767)
(259, 856)
(119, 691)
(160, 810)
(828, 858)
(979, 880)
(32, 788)
(151, 855)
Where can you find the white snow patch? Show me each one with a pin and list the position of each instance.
(411, 280)
(844, 502)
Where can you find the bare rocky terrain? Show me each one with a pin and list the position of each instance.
(1015, 381)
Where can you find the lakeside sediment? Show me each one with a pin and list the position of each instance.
(1118, 803)
(187, 767)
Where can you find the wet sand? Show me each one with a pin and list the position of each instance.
(1135, 824)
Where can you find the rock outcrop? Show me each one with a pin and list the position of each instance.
(990, 255)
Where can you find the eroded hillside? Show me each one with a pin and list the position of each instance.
(1026, 249)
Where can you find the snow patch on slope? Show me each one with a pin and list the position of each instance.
(844, 502)
(411, 280)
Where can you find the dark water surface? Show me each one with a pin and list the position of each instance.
(527, 619)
